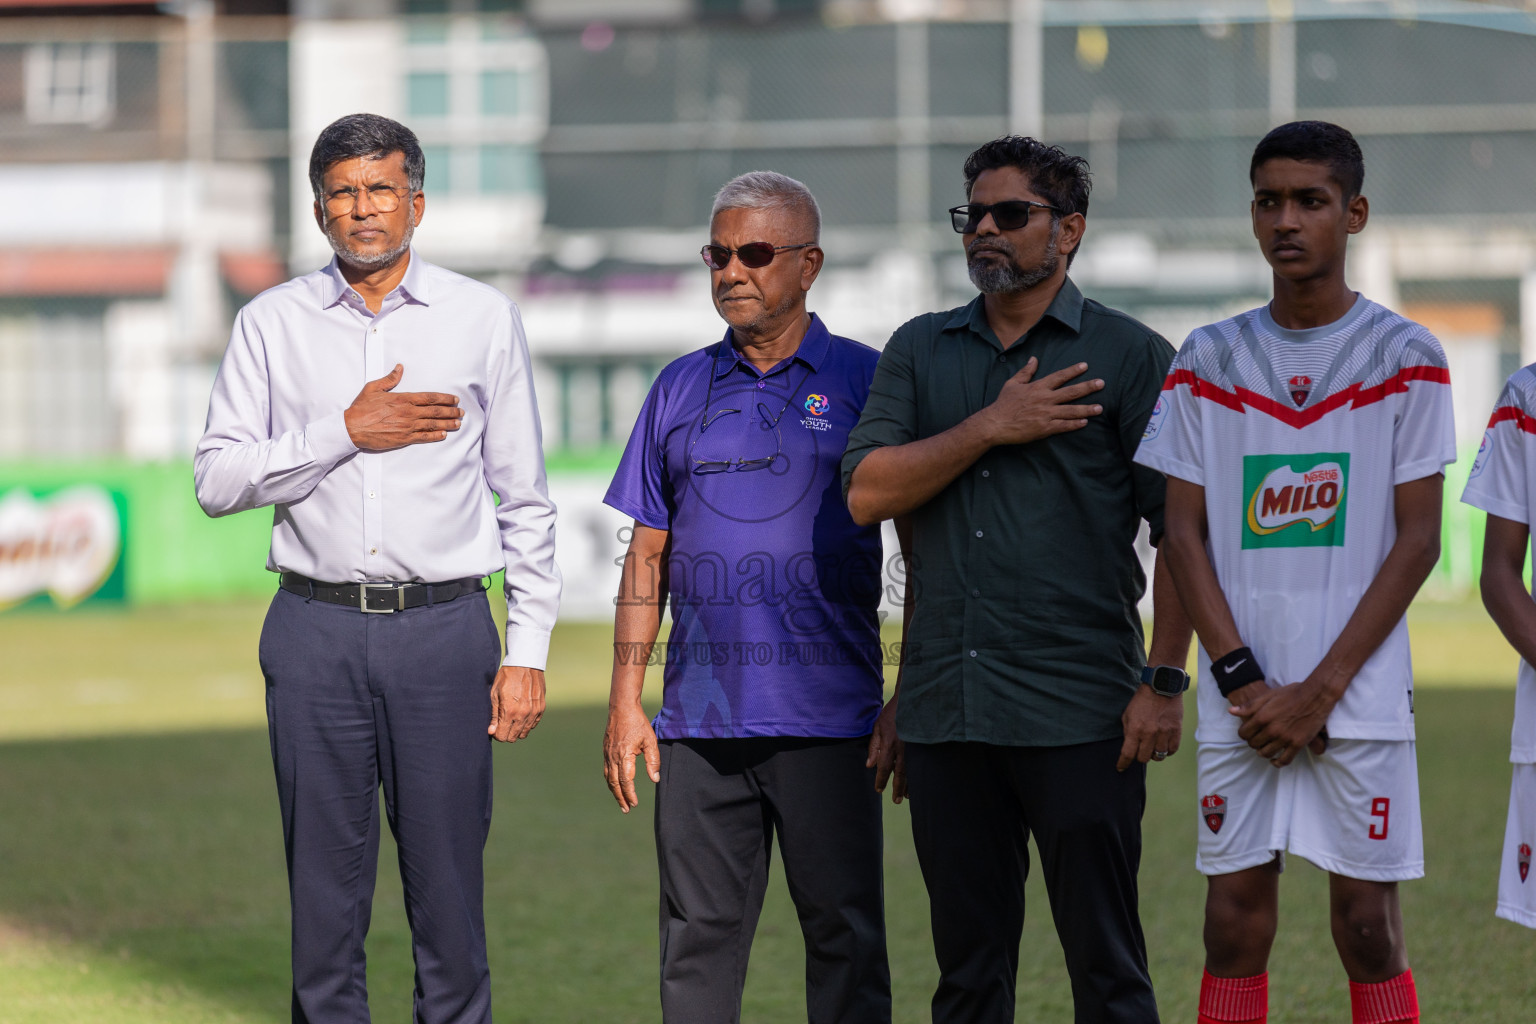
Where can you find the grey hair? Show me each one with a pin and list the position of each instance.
(766, 190)
(366, 135)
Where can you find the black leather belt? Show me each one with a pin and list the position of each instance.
(380, 598)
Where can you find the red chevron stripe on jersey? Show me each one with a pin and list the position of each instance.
(1238, 398)
(1522, 420)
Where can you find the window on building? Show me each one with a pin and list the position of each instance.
(500, 93)
(426, 93)
(595, 401)
(476, 89)
(438, 170)
(69, 83)
(509, 168)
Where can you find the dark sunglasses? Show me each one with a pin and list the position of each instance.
(752, 255)
(1008, 215)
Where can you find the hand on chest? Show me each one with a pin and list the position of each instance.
(1003, 383)
(317, 379)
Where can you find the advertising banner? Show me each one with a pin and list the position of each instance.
(65, 545)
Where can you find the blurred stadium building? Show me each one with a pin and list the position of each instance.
(153, 159)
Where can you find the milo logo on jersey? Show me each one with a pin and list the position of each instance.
(1295, 501)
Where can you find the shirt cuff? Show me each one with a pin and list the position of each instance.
(1513, 511)
(1411, 471)
(526, 648)
(328, 438)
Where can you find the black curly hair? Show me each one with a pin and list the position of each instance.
(1060, 178)
(1317, 142)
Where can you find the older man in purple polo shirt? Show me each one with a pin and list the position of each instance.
(772, 679)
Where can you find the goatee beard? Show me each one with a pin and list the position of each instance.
(994, 278)
(371, 260)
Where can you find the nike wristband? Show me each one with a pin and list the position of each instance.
(1236, 670)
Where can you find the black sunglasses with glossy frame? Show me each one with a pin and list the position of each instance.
(753, 255)
(1008, 215)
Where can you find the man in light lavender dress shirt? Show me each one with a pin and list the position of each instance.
(384, 407)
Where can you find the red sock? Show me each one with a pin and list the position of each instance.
(1394, 1001)
(1234, 1000)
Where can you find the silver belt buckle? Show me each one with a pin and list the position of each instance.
(362, 598)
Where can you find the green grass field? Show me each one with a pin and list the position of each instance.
(141, 874)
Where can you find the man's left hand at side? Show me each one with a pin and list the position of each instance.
(517, 702)
(887, 755)
(1154, 725)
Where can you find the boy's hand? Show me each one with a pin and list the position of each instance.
(1280, 721)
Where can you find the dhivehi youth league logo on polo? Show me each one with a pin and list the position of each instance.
(1295, 501)
(816, 405)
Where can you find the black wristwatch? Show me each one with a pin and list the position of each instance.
(1165, 680)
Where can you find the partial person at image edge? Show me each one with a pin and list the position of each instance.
(1501, 484)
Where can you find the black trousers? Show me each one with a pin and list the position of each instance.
(356, 701)
(974, 807)
(718, 806)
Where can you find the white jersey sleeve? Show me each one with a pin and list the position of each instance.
(1500, 479)
(1172, 443)
(1424, 436)
(1500, 484)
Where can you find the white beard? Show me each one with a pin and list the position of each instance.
(368, 261)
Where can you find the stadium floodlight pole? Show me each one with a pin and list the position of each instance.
(1026, 68)
(1282, 63)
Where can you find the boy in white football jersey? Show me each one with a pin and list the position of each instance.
(1503, 484)
(1304, 444)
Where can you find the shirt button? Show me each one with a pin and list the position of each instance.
(978, 533)
(986, 472)
(375, 330)
(975, 593)
(373, 551)
(973, 654)
(370, 494)
(762, 383)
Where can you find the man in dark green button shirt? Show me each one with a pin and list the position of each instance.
(1004, 432)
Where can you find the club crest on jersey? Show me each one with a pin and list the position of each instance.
(1155, 422)
(1213, 809)
(1301, 387)
(1525, 861)
(1481, 461)
(1295, 501)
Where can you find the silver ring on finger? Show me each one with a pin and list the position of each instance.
(1158, 755)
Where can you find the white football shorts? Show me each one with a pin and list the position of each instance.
(1517, 887)
(1352, 811)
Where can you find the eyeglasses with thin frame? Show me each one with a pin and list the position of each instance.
(383, 198)
(1008, 215)
(740, 464)
(753, 255)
